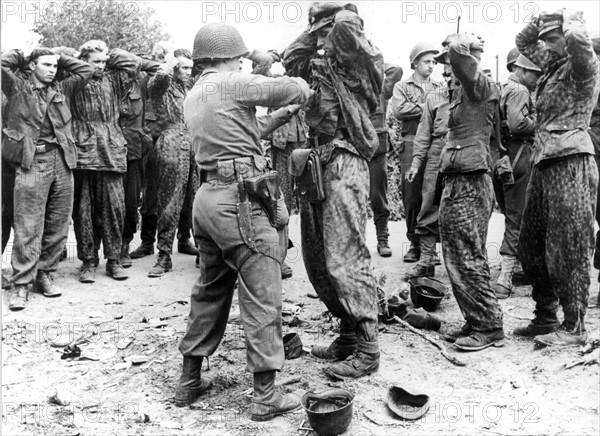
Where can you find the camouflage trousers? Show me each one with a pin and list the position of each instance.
(465, 211)
(173, 157)
(334, 248)
(98, 213)
(557, 236)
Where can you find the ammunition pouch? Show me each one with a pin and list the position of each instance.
(305, 165)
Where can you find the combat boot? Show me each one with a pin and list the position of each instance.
(355, 366)
(142, 251)
(87, 274)
(478, 340)
(45, 285)
(184, 246)
(162, 266)
(413, 254)
(562, 337)
(268, 402)
(503, 287)
(115, 270)
(339, 349)
(544, 322)
(125, 260)
(383, 248)
(426, 265)
(458, 332)
(191, 384)
(18, 298)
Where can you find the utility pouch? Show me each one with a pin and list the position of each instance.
(440, 183)
(266, 188)
(307, 168)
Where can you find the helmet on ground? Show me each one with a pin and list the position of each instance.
(218, 41)
(420, 49)
(426, 293)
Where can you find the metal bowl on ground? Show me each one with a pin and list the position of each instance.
(330, 411)
(426, 293)
(406, 405)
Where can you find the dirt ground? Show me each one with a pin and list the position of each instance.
(516, 389)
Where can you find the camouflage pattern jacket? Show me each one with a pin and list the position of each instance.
(566, 93)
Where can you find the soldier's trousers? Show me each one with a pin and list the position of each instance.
(173, 157)
(557, 236)
(8, 187)
(184, 228)
(148, 209)
(132, 185)
(43, 202)
(597, 250)
(334, 249)
(378, 182)
(224, 258)
(511, 198)
(465, 211)
(411, 193)
(98, 213)
(427, 220)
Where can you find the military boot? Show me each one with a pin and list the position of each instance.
(125, 260)
(115, 270)
(142, 251)
(18, 298)
(268, 402)
(355, 366)
(342, 347)
(185, 246)
(87, 274)
(383, 248)
(503, 287)
(162, 266)
(426, 265)
(191, 384)
(414, 253)
(44, 284)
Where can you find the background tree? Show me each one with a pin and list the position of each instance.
(127, 25)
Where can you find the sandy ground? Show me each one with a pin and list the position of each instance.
(516, 389)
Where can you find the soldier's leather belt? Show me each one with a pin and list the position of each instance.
(44, 148)
(229, 171)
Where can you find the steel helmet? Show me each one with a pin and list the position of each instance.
(512, 57)
(525, 63)
(420, 49)
(218, 41)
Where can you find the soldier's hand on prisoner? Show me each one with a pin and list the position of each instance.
(411, 174)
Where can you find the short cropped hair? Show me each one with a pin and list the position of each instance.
(93, 46)
(38, 52)
(182, 53)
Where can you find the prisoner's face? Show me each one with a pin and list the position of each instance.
(324, 42)
(183, 71)
(44, 69)
(98, 60)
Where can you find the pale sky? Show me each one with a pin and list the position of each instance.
(393, 26)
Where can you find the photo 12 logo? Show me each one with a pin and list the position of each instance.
(252, 12)
(468, 11)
